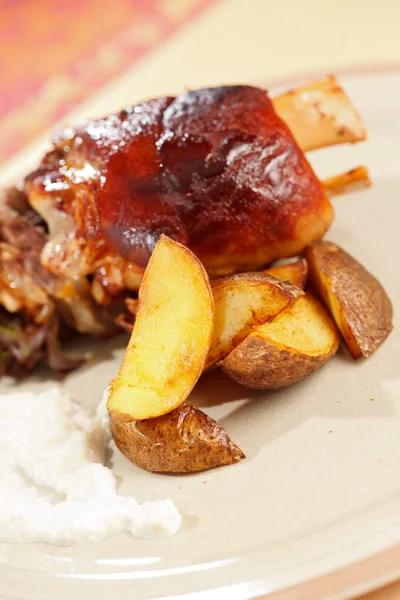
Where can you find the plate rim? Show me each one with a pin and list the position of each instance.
(382, 567)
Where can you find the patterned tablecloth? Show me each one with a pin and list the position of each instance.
(53, 54)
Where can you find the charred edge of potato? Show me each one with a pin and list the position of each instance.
(295, 272)
(359, 304)
(185, 440)
(295, 344)
(255, 277)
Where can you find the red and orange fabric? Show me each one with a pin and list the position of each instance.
(53, 54)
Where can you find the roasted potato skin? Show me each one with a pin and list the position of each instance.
(185, 440)
(261, 363)
(258, 365)
(364, 312)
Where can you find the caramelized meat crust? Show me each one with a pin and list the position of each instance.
(215, 169)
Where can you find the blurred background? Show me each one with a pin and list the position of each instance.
(54, 55)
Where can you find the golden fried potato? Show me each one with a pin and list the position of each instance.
(358, 303)
(296, 272)
(170, 339)
(297, 342)
(241, 302)
(185, 440)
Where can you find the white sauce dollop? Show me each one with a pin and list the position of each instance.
(53, 485)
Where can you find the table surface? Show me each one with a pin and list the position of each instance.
(193, 43)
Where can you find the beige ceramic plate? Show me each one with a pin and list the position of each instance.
(320, 489)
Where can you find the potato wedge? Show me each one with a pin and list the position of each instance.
(296, 272)
(241, 302)
(185, 440)
(358, 303)
(170, 339)
(297, 342)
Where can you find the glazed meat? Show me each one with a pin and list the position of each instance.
(24, 282)
(33, 302)
(221, 170)
(215, 169)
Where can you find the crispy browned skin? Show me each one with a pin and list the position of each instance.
(215, 169)
(185, 440)
(297, 342)
(359, 304)
(296, 272)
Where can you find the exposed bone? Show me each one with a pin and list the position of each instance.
(350, 181)
(320, 114)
